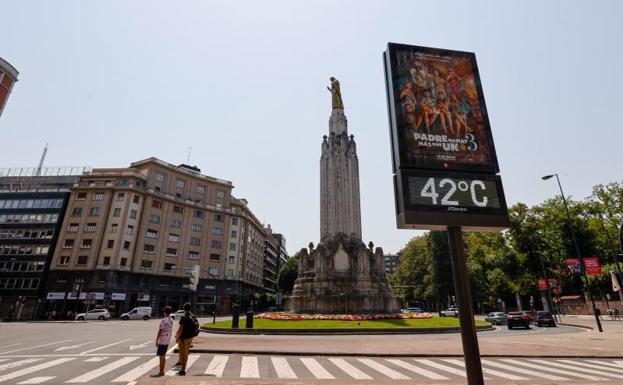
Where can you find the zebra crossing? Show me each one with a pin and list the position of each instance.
(49, 370)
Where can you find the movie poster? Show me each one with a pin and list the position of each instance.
(437, 110)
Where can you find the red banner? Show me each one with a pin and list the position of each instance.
(548, 283)
(542, 284)
(592, 265)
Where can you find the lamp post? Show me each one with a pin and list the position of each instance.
(577, 250)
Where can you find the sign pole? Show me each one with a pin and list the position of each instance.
(471, 351)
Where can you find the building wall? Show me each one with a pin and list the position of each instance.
(391, 262)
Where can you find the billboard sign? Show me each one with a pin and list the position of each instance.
(592, 265)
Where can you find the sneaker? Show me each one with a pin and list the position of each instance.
(157, 375)
(181, 373)
(176, 367)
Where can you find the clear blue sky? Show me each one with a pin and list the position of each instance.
(111, 82)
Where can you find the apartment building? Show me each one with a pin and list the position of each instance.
(271, 261)
(132, 236)
(391, 262)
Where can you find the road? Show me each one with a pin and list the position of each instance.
(122, 352)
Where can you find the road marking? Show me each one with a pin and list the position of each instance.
(316, 369)
(418, 370)
(4, 359)
(249, 368)
(551, 370)
(33, 369)
(619, 370)
(36, 380)
(523, 371)
(443, 367)
(487, 370)
(73, 346)
(8, 346)
(89, 376)
(38, 346)
(608, 363)
(95, 359)
(217, 366)
(391, 373)
(577, 369)
(107, 346)
(282, 368)
(143, 345)
(191, 360)
(349, 369)
(140, 370)
(18, 363)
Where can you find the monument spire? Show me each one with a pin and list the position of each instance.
(337, 121)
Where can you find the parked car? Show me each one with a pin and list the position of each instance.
(143, 313)
(518, 318)
(496, 318)
(413, 310)
(450, 312)
(177, 315)
(544, 318)
(99, 314)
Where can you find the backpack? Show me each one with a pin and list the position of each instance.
(196, 325)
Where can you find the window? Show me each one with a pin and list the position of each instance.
(133, 214)
(110, 244)
(171, 252)
(216, 244)
(90, 228)
(220, 194)
(123, 261)
(94, 211)
(126, 246)
(76, 212)
(156, 204)
(176, 223)
(193, 255)
(234, 221)
(231, 259)
(154, 218)
(159, 177)
(81, 196)
(130, 230)
(219, 217)
(198, 214)
(169, 267)
(149, 249)
(215, 257)
(195, 241)
(69, 243)
(178, 209)
(153, 234)
(72, 228)
(174, 238)
(200, 189)
(136, 199)
(197, 227)
(106, 261)
(82, 260)
(232, 246)
(63, 260)
(146, 264)
(217, 230)
(234, 233)
(98, 196)
(113, 227)
(178, 195)
(179, 183)
(116, 212)
(86, 243)
(157, 189)
(120, 197)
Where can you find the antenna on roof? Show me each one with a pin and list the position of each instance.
(45, 151)
(188, 156)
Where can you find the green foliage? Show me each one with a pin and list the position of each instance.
(287, 274)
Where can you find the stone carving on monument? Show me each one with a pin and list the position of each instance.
(341, 274)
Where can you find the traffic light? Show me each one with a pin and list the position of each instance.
(194, 277)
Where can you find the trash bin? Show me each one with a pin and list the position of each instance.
(235, 316)
(250, 320)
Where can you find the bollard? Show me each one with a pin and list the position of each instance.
(235, 317)
(249, 320)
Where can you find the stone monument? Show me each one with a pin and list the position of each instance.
(341, 274)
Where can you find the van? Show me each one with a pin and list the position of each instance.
(137, 313)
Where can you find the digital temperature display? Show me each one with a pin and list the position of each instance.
(454, 193)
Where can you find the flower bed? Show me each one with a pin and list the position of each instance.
(283, 316)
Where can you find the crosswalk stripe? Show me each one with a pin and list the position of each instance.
(18, 363)
(191, 360)
(487, 370)
(349, 369)
(417, 369)
(95, 359)
(551, 370)
(217, 366)
(579, 369)
(35, 368)
(249, 368)
(89, 376)
(607, 363)
(391, 373)
(443, 367)
(107, 346)
(523, 371)
(37, 346)
(316, 369)
(4, 359)
(584, 364)
(282, 368)
(138, 371)
(36, 380)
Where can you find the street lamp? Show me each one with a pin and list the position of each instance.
(577, 250)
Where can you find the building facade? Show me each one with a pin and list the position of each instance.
(32, 208)
(391, 262)
(271, 261)
(283, 253)
(8, 77)
(132, 236)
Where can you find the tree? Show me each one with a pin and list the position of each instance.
(412, 280)
(287, 274)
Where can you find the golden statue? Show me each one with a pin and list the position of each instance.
(336, 94)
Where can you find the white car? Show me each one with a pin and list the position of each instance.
(99, 314)
(143, 313)
(177, 315)
(450, 312)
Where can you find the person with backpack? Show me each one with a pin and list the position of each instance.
(189, 328)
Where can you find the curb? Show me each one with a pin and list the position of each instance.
(576, 325)
(454, 329)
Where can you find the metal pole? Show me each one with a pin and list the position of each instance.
(579, 255)
(473, 367)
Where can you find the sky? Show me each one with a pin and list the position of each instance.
(244, 85)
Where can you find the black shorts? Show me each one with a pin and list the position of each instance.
(162, 350)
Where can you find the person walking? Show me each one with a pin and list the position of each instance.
(163, 338)
(184, 337)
